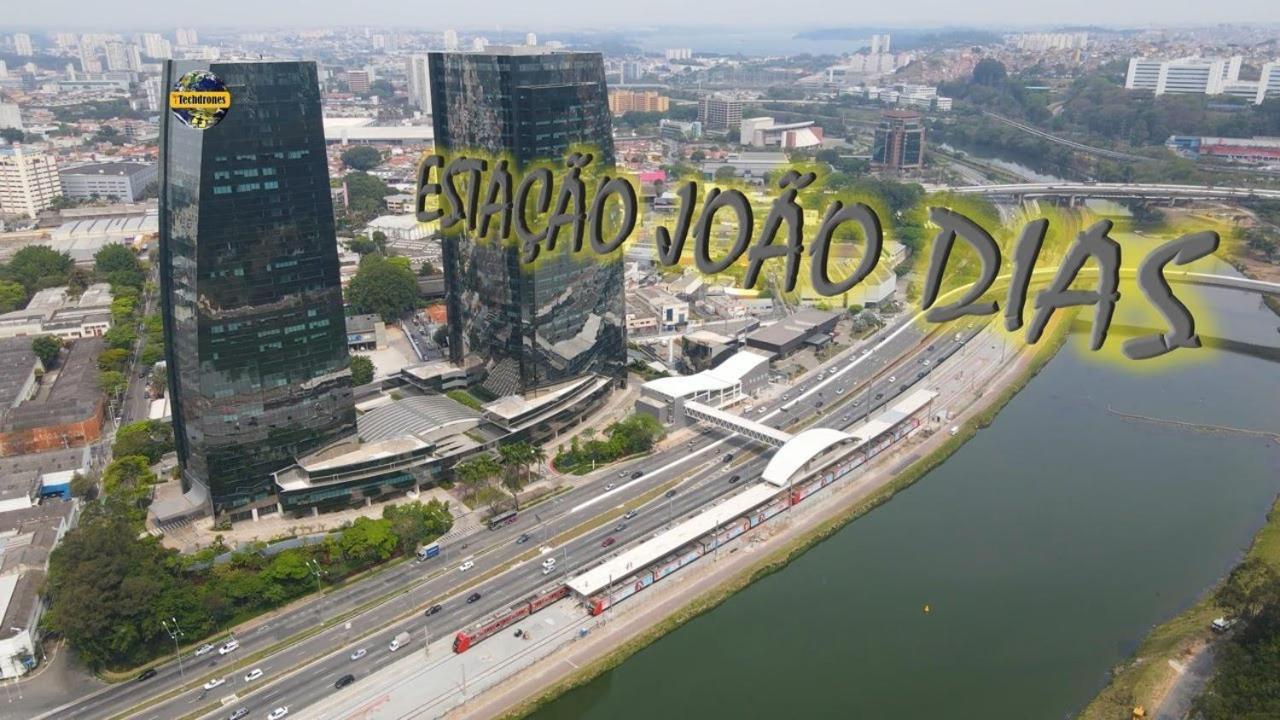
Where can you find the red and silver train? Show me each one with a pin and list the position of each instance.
(686, 555)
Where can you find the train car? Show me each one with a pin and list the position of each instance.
(514, 614)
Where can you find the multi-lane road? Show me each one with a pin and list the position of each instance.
(371, 611)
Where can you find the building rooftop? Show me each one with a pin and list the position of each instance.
(722, 376)
(74, 396)
(362, 323)
(419, 415)
(17, 360)
(623, 565)
(108, 168)
(791, 328)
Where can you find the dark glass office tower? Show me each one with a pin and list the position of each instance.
(531, 328)
(255, 340)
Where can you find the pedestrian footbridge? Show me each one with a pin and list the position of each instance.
(736, 423)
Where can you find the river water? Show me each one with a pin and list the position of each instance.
(1046, 548)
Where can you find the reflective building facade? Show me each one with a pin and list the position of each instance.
(256, 346)
(564, 317)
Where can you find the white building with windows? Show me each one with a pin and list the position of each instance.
(1202, 76)
(28, 182)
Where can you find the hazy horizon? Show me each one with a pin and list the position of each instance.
(588, 15)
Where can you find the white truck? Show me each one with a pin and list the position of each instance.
(399, 641)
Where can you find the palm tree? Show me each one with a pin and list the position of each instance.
(511, 460)
(539, 455)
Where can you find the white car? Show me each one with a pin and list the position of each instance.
(253, 674)
(278, 713)
(214, 683)
(359, 654)
(549, 562)
(609, 487)
(839, 391)
(204, 649)
(925, 362)
(229, 646)
(466, 566)
(893, 379)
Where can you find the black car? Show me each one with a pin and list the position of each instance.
(818, 404)
(433, 610)
(524, 538)
(921, 374)
(147, 674)
(879, 395)
(671, 493)
(345, 680)
(728, 458)
(734, 479)
(620, 527)
(473, 597)
(637, 474)
(903, 387)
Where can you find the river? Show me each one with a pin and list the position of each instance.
(1046, 549)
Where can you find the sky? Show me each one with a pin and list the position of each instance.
(546, 15)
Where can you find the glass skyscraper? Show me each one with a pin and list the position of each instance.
(531, 328)
(256, 348)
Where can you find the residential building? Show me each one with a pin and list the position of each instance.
(155, 46)
(532, 328)
(450, 40)
(358, 81)
(118, 181)
(899, 141)
(186, 37)
(719, 113)
(419, 83)
(122, 57)
(22, 45)
(10, 115)
(622, 102)
(256, 346)
(679, 53)
(28, 182)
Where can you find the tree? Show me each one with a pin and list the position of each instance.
(476, 474)
(112, 382)
(367, 541)
(364, 196)
(1250, 586)
(83, 487)
(151, 439)
(35, 264)
(119, 265)
(120, 336)
(383, 287)
(105, 583)
(416, 523)
(726, 172)
(361, 157)
(46, 347)
(13, 296)
(129, 479)
(989, 72)
(113, 359)
(426, 269)
(514, 458)
(362, 245)
(361, 370)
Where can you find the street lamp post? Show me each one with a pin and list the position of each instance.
(175, 632)
(318, 573)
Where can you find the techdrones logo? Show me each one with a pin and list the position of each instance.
(199, 99)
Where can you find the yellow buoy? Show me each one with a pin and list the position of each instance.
(926, 609)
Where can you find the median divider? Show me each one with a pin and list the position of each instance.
(243, 662)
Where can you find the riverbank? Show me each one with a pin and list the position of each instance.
(1149, 676)
(632, 629)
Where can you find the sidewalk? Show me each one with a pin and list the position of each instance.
(200, 533)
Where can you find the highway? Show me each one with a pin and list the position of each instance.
(438, 581)
(695, 494)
